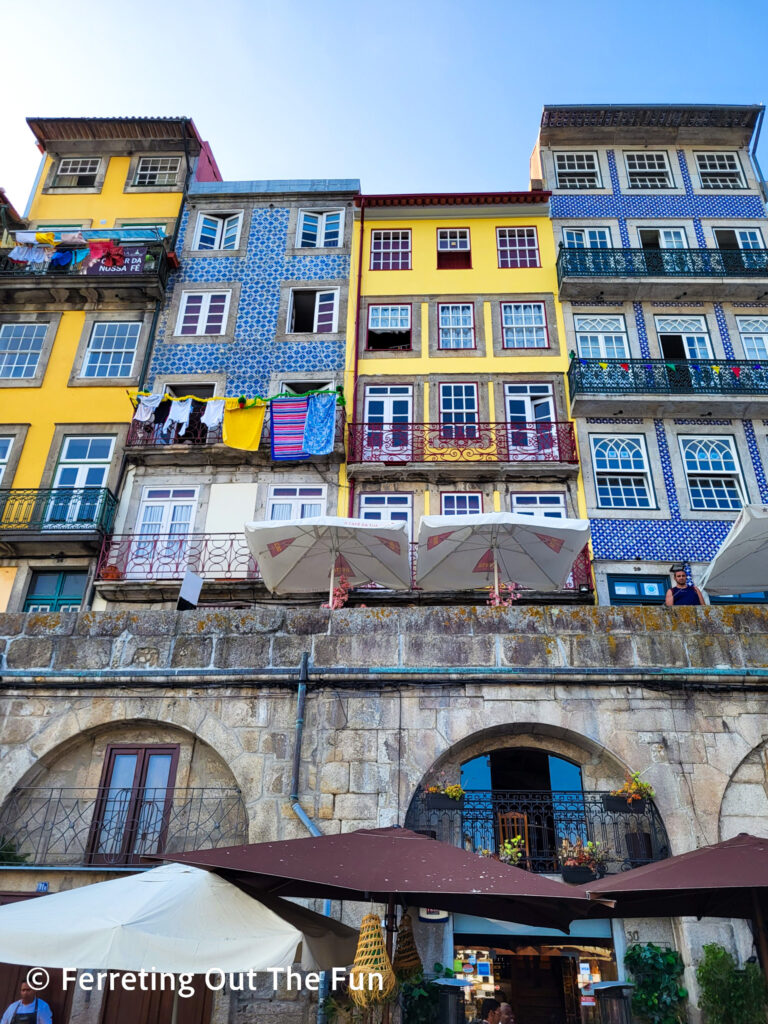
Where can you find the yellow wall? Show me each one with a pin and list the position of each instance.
(7, 576)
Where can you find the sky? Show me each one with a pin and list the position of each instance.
(419, 96)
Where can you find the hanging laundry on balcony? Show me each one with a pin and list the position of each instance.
(72, 238)
(213, 413)
(179, 412)
(62, 258)
(320, 425)
(35, 237)
(242, 424)
(145, 410)
(29, 254)
(105, 250)
(288, 418)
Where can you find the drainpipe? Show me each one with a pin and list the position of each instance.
(753, 154)
(299, 811)
(357, 341)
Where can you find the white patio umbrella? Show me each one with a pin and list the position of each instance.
(459, 552)
(300, 556)
(174, 918)
(741, 563)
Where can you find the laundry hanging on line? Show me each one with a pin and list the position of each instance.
(320, 424)
(179, 413)
(288, 417)
(145, 410)
(243, 424)
(213, 413)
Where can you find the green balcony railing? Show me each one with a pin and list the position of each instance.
(668, 377)
(57, 510)
(661, 263)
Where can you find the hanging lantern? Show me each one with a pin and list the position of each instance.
(406, 961)
(370, 960)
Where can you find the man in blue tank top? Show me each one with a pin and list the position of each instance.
(682, 592)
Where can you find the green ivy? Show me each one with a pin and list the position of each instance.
(658, 996)
(729, 995)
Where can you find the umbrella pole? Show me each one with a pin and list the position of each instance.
(389, 926)
(496, 575)
(330, 588)
(175, 1009)
(761, 941)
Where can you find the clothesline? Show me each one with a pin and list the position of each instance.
(246, 402)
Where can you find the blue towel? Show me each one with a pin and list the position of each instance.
(320, 425)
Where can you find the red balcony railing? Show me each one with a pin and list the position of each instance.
(155, 556)
(462, 442)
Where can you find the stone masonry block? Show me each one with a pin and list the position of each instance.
(354, 651)
(29, 652)
(50, 623)
(365, 777)
(154, 623)
(103, 623)
(662, 648)
(192, 652)
(605, 650)
(433, 649)
(81, 652)
(361, 808)
(531, 652)
(11, 623)
(334, 777)
(208, 621)
(287, 650)
(241, 652)
(356, 621)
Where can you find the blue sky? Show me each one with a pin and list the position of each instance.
(408, 96)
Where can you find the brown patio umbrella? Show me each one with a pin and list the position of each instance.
(395, 865)
(728, 879)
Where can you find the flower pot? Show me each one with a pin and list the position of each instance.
(441, 802)
(111, 572)
(578, 874)
(619, 803)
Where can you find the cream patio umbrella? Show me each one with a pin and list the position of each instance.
(301, 556)
(741, 563)
(533, 551)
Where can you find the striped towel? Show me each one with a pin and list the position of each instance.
(288, 417)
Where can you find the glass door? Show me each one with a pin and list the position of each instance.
(530, 417)
(80, 479)
(165, 520)
(388, 424)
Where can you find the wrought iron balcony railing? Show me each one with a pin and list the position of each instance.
(116, 827)
(544, 819)
(672, 377)
(462, 442)
(57, 510)
(156, 556)
(150, 435)
(141, 259)
(662, 263)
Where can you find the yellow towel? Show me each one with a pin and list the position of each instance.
(242, 427)
(45, 238)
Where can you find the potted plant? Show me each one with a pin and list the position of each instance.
(111, 572)
(442, 795)
(581, 862)
(511, 851)
(633, 795)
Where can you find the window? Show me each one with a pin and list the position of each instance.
(456, 325)
(217, 231)
(458, 411)
(637, 589)
(577, 170)
(157, 170)
(202, 313)
(312, 312)
(391, 250)
(387, 508)
(389, 328)
(720, 171)
(111, 350)
(622, 478)
(530, 411)
(299, 388)
(453, 249)
(601, 337)
(518, 247)
(524, 325)
(742, 238)
(6, 443)
(648, 170)
(20, 348)
(77, 172)
(712, 473)
(55, 591)
(663, 238)
(81, 475)
(460, 503)
(587, 238)
(684, 338)
(295, 502)
(317, 230)
(550, 505)
(754, 336)
(756, 597)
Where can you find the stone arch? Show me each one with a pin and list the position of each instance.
(744, 807)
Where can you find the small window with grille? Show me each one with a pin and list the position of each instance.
(648, 170)
(720, 171)
(577, 171)
(157, 170)
(77, 172)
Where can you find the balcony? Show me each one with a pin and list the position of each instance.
(116, 827)
(654, 387)
(148, 443)
(152, 566)
(74, 519)
(467, 450)
(142, 277)
(626, 275)
(544, 819)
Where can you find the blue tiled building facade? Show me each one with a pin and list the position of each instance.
(663, 275)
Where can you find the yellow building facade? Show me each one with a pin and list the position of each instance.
(76, 326)
(457, 363)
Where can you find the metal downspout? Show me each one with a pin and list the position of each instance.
(299, 811)
(356, 362)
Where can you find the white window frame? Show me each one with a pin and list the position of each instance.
(322, 228)
(379, 501)
(530, 503)
(753, 329)
(587, 241)
(222, 218)
(453, 495)
(638, 156)
(405, 255)
(453, 240)
(5, 454)
(666, 325)
(686, 440)
(317, 292)
(574, 172)
(714, 155)
(137, 324)
(643, 472)
(297, 500)
(458, 429)
(450, 330)
(507, 308)
(664, 232)
(80, 161)
(203, 314)
(601, 331)
(381, 328)
(37, 333)
(166, 172)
